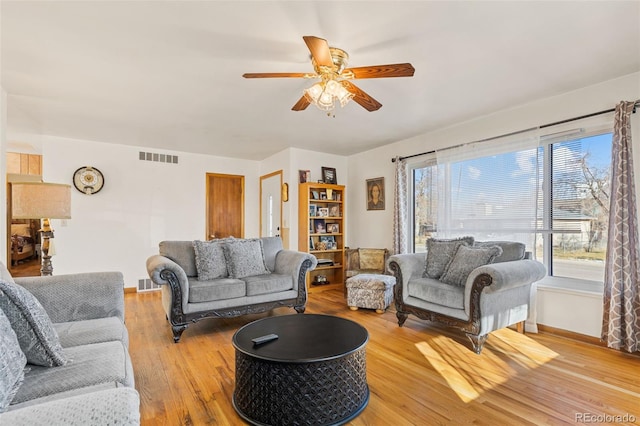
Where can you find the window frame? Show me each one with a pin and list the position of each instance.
(546, 142)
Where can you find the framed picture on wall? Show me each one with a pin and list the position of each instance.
(304, 175)
(375, 193)
(329, 175)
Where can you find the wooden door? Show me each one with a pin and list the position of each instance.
(225, 206)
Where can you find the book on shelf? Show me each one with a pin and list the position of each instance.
(325, 262)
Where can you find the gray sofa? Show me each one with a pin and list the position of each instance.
(486, 297)
(64, 351)
(228, 278)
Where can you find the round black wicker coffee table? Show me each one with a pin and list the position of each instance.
(313, 374)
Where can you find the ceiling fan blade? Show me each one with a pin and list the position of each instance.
(361, 97)
(319, 50)
(277, 74)
(380, 71)
(301, 105)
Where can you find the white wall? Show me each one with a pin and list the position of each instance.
(141, 204)
(314, 161)
(374, 228)
(290, 161)
(370, 228)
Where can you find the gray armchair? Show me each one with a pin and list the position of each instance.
(493, 296)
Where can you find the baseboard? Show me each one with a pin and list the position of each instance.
(571, 335)
(130, 290)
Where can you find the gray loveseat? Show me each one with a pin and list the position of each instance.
(470, 295)
(64, 351)
(228, 278)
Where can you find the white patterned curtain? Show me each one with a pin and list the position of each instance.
(621, 313)
(400, 209)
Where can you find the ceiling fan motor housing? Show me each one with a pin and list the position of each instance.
(340, 60)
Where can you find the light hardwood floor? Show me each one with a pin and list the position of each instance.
(419, 374)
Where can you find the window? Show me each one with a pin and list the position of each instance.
(552, 195)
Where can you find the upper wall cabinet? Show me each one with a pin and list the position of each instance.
(24, 164)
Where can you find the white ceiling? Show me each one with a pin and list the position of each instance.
(168, 75)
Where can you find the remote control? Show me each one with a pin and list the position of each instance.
(264, 339)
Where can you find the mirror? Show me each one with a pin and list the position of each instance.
(271, 204)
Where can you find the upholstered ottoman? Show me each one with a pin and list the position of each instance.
(371, 291)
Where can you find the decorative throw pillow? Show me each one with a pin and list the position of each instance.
(440, 252)
(466, 260)
(38, 339)
(12, 362)
(372, 259)
(511, 250)
(210, 260)
(245, 258)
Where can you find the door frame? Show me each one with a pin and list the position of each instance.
(208, 202)
(262, 178)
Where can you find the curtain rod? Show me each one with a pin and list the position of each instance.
(637, 103)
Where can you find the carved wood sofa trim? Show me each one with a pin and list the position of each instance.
(471, 327)
(180, 321)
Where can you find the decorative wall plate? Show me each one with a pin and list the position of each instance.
(88, 180)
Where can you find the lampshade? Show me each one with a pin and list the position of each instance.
(37, 200)
(325, 93)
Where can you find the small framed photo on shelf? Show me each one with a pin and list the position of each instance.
(315, 195)
(319, 226)
(329, 193)
(313, 210)
(330, 241)
(334, 211)
(333, 228)
(304, 175)
(329, 175)
(323, 195)
(323, 211)
(328, 238)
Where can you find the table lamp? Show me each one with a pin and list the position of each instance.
(40, 200)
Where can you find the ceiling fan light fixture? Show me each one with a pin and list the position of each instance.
(343, 95)
(325, 94)
(319, 96)
(313, 93)
(325, 102)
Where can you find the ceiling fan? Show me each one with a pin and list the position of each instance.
(335, 86)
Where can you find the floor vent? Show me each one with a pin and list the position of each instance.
(147, 285)
(158, 158)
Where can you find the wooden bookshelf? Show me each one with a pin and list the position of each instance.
(321, 214)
